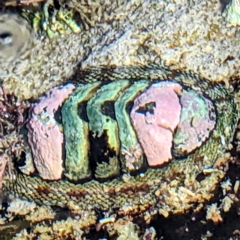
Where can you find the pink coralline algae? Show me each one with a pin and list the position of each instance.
(44, 134)
(155, 116)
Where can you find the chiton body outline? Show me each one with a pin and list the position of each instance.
(147, 190)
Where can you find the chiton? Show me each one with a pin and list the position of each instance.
(138, 130)
(117, 127)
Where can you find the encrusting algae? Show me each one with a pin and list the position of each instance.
(127, 46)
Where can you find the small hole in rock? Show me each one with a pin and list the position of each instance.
(5, 38)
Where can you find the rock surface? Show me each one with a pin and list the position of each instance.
(186, 34)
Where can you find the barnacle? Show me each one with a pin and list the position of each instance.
(16, 37)
(58, 22)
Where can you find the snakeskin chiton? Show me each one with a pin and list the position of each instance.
(126, 127)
